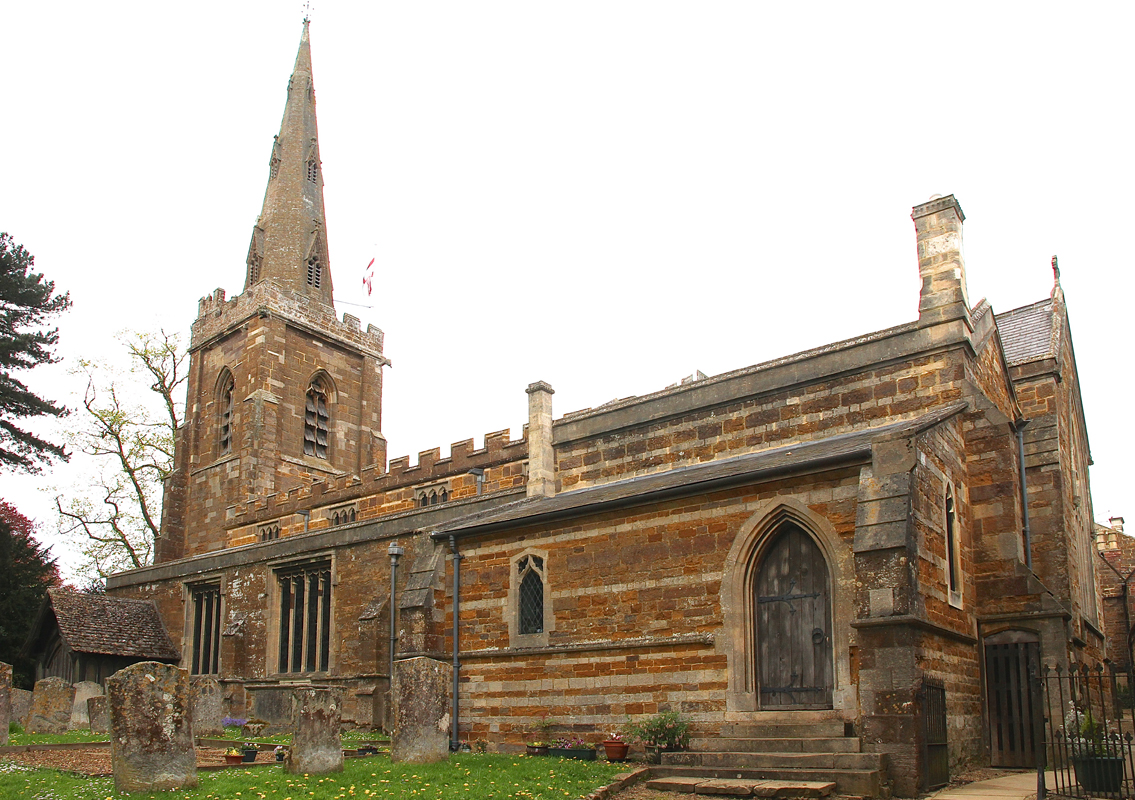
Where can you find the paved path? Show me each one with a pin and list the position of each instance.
(1007, 787)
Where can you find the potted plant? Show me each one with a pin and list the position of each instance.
(616, 747)
(280, 751)
(249, 751)
(1098, 769)
(666, 732)
(233, 756)
(367, 750)
(539, 746)
(572, 748)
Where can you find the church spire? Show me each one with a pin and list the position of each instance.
(289, 241)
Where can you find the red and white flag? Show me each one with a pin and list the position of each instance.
(368, 277)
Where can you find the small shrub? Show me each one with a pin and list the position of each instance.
(666, 731)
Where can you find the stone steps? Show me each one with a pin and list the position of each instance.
(865, 783)
(832, 744)
(734, 787)
(783, 760)
(803, 750)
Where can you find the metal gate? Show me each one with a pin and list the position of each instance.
(935, 751)
(1088, 726)
(1010, 657)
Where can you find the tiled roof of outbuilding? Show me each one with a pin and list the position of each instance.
(111, 625)
(1026, 332)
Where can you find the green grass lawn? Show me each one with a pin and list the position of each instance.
(466, 775)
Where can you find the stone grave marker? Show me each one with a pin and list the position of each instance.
(5, 700)
(151, 734)
(316, 748)
(21, 705)
(207, 713)
(98, 713)
(83, 691)
(52, 701)
(421, 710)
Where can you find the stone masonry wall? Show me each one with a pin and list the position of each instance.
(800, 413)
(636, 597)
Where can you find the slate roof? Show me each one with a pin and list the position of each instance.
(111, 625)
(833, 450)
(1027, 332)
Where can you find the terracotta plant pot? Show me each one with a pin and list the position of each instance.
(537, 749)
(233, 759)
(616, 750)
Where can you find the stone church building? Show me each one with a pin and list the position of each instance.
(803, 544)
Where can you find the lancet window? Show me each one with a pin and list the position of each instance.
(316, 422)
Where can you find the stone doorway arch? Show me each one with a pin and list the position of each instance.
(769, 536)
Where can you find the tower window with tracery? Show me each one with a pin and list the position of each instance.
(314, 272)
(226, 419)
(313, 170)
(316, 421)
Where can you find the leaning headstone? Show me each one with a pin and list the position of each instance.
(151, 736)
(421, 710)
(21, 705)
(316, 747)
(51, 706)
(5, 700)
(83, 691)
(98, 713)
(207, 714)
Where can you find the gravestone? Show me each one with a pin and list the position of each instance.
(52, 700)
(151, 735)
(98, 713)
(207, 714)
(5, 700)
(83, 691)
(316, 748)
(421, 710)
(21, 705)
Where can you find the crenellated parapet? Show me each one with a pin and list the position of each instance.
(502, 464)
(217, 316)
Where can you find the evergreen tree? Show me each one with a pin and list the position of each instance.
(27, 301)
(27, 571)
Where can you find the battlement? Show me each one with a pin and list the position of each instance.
(463, 458)
(216, 315)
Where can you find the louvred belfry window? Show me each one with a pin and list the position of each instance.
(305, 618)
(226, 404)
(316, 421)
(530, 571)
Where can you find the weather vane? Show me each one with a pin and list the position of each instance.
(307, 11)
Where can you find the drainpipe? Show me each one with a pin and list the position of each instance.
(479, 475)
(454, 743)
(1018, 428)
(395, 552)
(306, 519)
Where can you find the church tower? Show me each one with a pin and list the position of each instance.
(280, 391)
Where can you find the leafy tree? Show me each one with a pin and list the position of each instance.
(27, 571)
(118, 517)
(27, 301)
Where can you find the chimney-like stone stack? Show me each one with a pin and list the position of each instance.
(938, 225)
(541, 455)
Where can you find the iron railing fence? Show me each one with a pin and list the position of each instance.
(1088, 737)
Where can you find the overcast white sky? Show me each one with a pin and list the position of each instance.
(603, 195)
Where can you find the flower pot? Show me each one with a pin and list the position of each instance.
(280, 755)
(249, 754)
(368, 750)
(537, 749)
(616, 750)
(1099, 773)
(233, 759)
(578, 755)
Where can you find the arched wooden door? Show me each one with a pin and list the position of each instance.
(794, 623)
